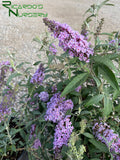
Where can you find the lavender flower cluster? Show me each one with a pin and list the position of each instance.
(106, 135)
(62, 134)
(53, 49)
(44, 96)
(56, 109)
(37, 142)
(78, 89)
(38, 76)
(6, 65)
(4, 110)
(70, 40)
(6, 103)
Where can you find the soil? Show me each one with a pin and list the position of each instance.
(17, 33)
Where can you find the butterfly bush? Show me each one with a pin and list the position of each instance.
(57, 108)
(37, 142)
(7, 102)
(32, 131)
(106, 135)
(70, 40)
(55, 117)
(39, 75)
(4, 111)
(62, 133)
(44, 96)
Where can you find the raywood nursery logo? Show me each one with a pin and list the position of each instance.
(14, 9)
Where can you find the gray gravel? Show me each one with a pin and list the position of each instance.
(16, 33)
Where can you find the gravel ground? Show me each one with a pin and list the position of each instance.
(17, 33)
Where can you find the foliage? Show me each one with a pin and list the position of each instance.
(69, 108)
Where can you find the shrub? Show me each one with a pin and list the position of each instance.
(69, 108)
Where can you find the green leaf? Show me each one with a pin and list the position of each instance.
(102, 4)
(37, 39)
(12, 76)
(78, 80)
(116, 94)
(2, 128)
(94, 100)
(50, 59)
(14, 131)
(102, 147)
(109, 76)
(109, 4)
(36, 63)
(117, 108)
(69, 73)
(98, 82)
(112, 56)
(109, 34)
(2, 136)
(107, 106)
(88, 135)
(105, 61)
(13, 147)
(20, 65)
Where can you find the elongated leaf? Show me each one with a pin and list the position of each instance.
(86, 134)
(117, 108)
(109, 34)
(112, 56)
(107, 106)
(109, 76)
(102, 147)
(80, 79)
(50, 59)
(109, 4)
(98, 82)
(116, 94)
(13, 147)
(12, 76)
(2, 128)
(94, 100)
(37, 39)
(102, 4)
(36, 63)
(69, 73)
(105, 61)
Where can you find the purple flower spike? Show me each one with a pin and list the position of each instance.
(38, 77)
(68, 104)
(37, 144)
(57, 108)
(107, 136)
(70, 40)
(62, 134)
